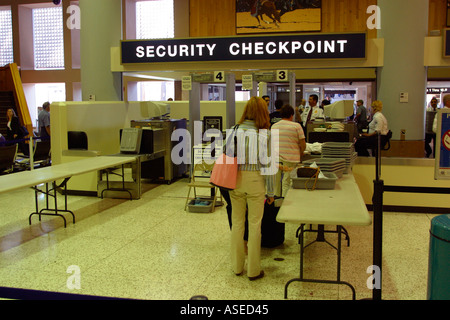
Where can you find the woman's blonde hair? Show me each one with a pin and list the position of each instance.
(256, 110)
(377, 106)
(13, 112)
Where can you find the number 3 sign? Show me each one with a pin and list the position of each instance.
(282, 75)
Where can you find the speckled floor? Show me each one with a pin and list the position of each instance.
(152, 249)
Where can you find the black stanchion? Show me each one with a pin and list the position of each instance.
(377, 200)
(377, 235)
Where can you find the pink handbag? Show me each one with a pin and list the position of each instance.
(224, 173)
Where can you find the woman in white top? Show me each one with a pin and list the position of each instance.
(377, 125)
(253, 184)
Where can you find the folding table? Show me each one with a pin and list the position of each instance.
(54, 173)
(341, 206)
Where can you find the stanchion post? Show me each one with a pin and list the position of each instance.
(31, 150)
(377, 200)
(377, 234)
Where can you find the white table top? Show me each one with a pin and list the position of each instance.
(343, 205)
(31, 178)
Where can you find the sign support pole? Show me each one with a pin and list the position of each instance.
(231, 100)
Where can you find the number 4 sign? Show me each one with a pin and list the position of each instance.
(219, 76)
(282, 75)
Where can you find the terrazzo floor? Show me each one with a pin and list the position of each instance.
(152, 249)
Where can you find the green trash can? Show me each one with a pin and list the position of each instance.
(439, 259)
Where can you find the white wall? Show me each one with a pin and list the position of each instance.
(102, 121)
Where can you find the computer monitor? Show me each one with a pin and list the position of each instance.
(339, 110)
(210, 123)
(154, 109)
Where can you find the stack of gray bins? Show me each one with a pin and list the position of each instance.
(330, 165)
(341, 150)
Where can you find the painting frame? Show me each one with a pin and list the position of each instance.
(448, 13)
(278, 16)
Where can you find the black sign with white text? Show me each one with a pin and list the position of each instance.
(303, 46)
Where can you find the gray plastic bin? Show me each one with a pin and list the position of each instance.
(439, 259)
(200, 206)
(322, 183)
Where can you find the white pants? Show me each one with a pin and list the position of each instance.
(283, 179)
(250, 191)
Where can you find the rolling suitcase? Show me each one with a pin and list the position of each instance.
(272, 231)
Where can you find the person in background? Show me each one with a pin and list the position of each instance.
(13, 131)
(446, 104)
(324, 103)
(378, 124)
(250, 190)
(44, 120)
(312, 111)
(275, 116)
(266, 98)
(298, 111)
(301, 106)
(361, 116)
(433, 104)
(291, 146)
(430, 136)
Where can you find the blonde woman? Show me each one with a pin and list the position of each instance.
(250, 189)
(379, 125)
(12, 126)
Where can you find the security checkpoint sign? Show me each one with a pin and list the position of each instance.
(442, 160)
(294, 46)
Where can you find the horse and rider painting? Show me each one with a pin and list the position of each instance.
(264, 16)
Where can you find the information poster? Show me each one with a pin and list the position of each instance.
(247, 82)
(186, 83)
(442, 162)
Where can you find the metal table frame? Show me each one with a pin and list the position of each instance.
(324, 207)
(321, 238)
(53, 173)
(51, 193)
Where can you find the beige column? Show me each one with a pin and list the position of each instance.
(404, 26)
(101, 29)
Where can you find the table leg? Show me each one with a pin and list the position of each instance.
(123, 189)
(300, 235)
(55, 211)
(320, 233)
(339, 254)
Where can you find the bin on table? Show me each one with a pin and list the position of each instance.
(439, 259)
